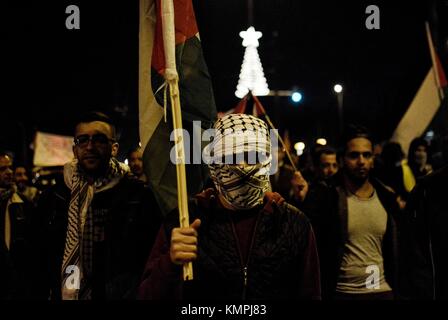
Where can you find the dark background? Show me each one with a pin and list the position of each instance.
(51, 74)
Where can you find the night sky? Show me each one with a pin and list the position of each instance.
(50, 74)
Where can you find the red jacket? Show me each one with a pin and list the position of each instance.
(281, 259)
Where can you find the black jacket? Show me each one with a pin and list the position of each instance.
(7, 274)
(326, 206)
(282, 260)
(19, 259)
(132, 223)
(425, 239)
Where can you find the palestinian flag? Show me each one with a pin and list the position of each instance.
(429, 98)
(196, 96)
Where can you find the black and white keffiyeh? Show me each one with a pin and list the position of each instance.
(241, 160)
(77, 259)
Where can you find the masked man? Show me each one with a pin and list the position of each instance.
(245, 241)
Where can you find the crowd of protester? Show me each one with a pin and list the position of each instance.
(359, 221)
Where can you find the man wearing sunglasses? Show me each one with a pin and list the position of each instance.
(99, 223)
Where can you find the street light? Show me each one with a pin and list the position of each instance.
(339, 93)
(296, 97)
(338, 88)
(299, 147)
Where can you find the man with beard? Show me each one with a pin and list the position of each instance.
(23, 187)
(325, 162)
(355, 225)
(99, 223)
(245, 241)
(135, 158)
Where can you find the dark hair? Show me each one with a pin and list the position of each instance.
(320, 150)
(96, 116)
(392, 154)
(5, 154)
(417, 142)
(27, 171)
(132, 150)
(352, 132)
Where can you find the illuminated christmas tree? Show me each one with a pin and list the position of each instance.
(251, 76)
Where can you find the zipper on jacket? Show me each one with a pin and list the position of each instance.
(244, 266)
(245, 276)
(433, 269)
(431, 253)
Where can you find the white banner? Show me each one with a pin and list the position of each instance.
(52, 150)
(419, 114)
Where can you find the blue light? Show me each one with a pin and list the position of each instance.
(296, 97)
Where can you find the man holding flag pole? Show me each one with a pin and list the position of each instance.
(240, 232)
(246, 241)
(173, 36)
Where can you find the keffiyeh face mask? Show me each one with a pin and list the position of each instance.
(241, 160)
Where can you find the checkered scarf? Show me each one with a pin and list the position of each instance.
(77, 260)
(241, 137)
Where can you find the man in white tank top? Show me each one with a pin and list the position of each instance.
(354, 223)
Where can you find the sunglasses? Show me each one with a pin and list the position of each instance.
(98, 140)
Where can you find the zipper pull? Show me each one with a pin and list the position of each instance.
(245, 276)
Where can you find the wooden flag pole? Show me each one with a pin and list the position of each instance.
(434, 59)
(282, 142)
(172, 80)
(268, 120)
(180, 167)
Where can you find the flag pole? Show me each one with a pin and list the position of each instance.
(268, 120)
(172, 79)
(180, 167)
(435, 62)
